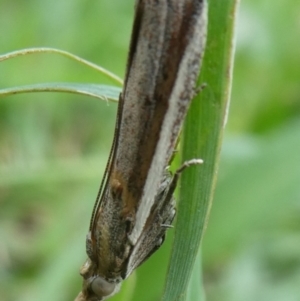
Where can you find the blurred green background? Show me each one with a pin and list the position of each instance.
(53, 148)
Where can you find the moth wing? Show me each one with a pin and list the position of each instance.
(153, 235)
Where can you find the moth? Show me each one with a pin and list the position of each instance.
(135, 204)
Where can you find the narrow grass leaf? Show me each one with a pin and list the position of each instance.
(202, 138)
(67, 54)
(194, 290)
(103, 92)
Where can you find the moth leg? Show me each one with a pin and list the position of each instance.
(187, 164)
(159, 220)
(177, 174)
(199, 89)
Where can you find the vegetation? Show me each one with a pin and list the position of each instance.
(53, 148)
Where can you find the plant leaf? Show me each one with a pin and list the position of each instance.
(195, 291)
(69, 55)
(202, 138)
(104, 92)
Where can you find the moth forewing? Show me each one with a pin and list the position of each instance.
(135, 203)
(191, 33)
(160, 218)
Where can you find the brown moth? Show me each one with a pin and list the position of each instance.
(135, 204)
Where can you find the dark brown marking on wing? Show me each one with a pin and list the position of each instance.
(134, 37)
(154, 108)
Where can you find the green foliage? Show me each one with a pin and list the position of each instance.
(53, 148)
(202, 138)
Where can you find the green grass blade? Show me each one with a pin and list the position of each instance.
(103, 92)
(69, 55)
(195, 290)
(202, 138)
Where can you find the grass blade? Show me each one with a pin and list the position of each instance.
(202, 138)
(103, 92)
(195, 290)
(69, 55)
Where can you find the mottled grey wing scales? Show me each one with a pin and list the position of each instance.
(158, 222)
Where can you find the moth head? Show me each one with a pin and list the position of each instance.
(95, 287)
(103, 288)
